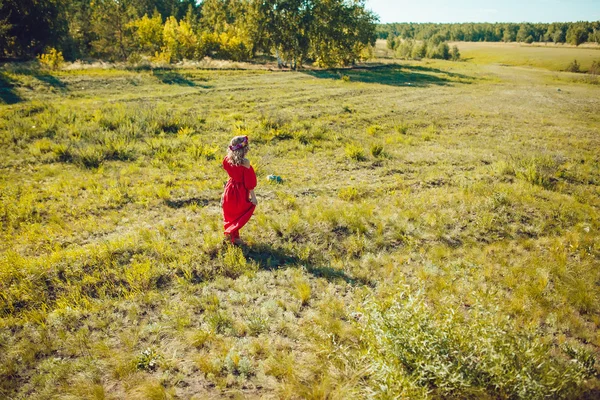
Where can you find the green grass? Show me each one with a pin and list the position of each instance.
(435, 234)
(540, 55)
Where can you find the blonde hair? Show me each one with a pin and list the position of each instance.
(236, 157)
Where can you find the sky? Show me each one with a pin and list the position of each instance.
(485, 10)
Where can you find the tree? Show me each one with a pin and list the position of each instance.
(419, 50)
(111, 23)
(179, 39)
(436, 39)
(391, 42)
(525, 30)
(558, 36)
(6, 39)
(454, 53)
(148, 32)
(288, 28)
(510, 34)
(441, 50)
(77, 43)
(340, 31)
(555, 32)
(230, 29)
(404, 50)
(27, 27)
(217, 15)
(595, 36)
(576, 34)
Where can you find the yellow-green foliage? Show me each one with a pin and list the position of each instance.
(430, 237)
(179, 39)
(52, 59)
(463, 352)
(355, 152)
(149, 32)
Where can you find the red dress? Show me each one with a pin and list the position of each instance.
(237, 208)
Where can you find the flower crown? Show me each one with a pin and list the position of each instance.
(241, 145)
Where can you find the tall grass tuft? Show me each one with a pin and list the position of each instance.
(233, 262)
(376, 150)
(355, 152)
(539, 170)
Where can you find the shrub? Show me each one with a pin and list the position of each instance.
(164, 57)
(349, 194)
(440, 51)
(373, 129)
(53, 58)
(454, 53)
(355, 152)
(376, 150)
(595, 68)
(573, 67)
(419, 51)
(405, 49)
(198, 151)
(115, 147)
(179, 38)
(391, 42)
(232, 47)
(302, 291)
(134, 59)
(148, 32)
(207, 45)
(88, 157)
(459, 353)
(401, 128)
(234, 263)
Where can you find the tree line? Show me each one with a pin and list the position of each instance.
(325, 32)
(572, 32)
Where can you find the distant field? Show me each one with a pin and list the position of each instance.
(436, 234)
(550, 56)
(539, 55)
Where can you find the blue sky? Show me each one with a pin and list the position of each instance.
(485, 11)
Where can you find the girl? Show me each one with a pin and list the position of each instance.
(239, 200)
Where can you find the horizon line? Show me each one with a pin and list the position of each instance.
(487, 22)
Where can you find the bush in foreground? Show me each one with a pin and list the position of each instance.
(414, 349)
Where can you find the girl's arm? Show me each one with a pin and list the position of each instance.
(253, 199)
(250, 181)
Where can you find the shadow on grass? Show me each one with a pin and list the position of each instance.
(173, 78)
(8, 95)
(50, 80)
(271, 258)
(180, 203)
(394, 75)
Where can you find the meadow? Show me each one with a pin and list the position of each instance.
(551, 56)
(436, 233)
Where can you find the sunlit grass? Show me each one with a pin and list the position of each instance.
(435, 233)
(549, 56)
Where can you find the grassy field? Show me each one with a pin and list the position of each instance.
(554, 57)
(436, 234)
(539, 55)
